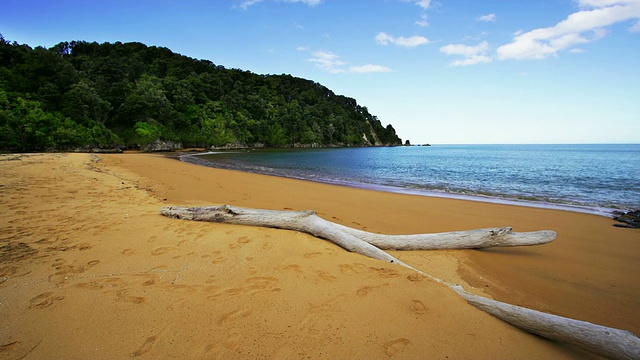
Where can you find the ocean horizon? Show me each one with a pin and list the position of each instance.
(589, 178)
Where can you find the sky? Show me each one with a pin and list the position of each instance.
(441, 72)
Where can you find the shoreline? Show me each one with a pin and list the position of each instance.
(85, 251)
(556, 269)
(585, 209)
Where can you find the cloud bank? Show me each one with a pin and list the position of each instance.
(331, 63)
(487, 18)
(246, 4)
(472, 54)
(581, 27)
(413, 41)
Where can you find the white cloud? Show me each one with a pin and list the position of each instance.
(331, 63)
(579, 28)
(384, 38)
(422, 3)
(487, 18)
(413, 41)
(302, 48)
(328, 61)
(472, 60)
(635, 27)
(369, 68)
(601, 3)
(306, 2)
(473, 54)
(459, 49)
(246, 4)
(423, 21)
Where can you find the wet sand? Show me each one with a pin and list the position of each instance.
(90, 269)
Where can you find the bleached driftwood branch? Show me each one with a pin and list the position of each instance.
(601, 340)
(605, 341)
(309, 222)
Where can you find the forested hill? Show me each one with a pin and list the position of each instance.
(82, 95)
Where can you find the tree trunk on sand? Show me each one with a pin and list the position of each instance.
(309, 222)
(601, 340)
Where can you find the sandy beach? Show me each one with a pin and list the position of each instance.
(89, 269)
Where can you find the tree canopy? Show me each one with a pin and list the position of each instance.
(84, 94)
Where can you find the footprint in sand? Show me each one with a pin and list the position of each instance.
(128, 252)
(363, 291)
(123, 295)
(211, 351)
(84, 246)
(311, 255)
(111, 282)
(93, 263)
(146, 347)
(418, 307)
(64, 270)
(243, 240)
(44, 300)
(254, 285)
(233, 340)
(391, 348)
(416, 277)
(350, 269)
(242, 312)
(16, 350)
(150, 279)
(326, 276)
(260, 283)
(10, 347)
(291, 267)
(219, 260)
(384, 272)
(163, 250)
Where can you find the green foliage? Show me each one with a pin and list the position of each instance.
(82, 94)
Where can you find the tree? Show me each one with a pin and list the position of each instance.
(83, 103)
(85, 93)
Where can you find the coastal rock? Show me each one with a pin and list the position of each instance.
(365, 141)
(407, 143)
(162, 145)
(232, 146)
(97, 150)
(630, 219)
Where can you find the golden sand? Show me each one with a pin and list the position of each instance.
(89, 269)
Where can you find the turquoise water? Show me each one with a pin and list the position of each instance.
(591, 178)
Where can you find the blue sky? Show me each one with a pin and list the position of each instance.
(441, 72)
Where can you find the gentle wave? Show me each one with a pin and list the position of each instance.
(595, 179)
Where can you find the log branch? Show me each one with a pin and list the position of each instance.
(310, 222)
(601, 340)
(605, 341)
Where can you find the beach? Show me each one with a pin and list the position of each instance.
(90, 269)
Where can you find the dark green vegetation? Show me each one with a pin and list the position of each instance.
(81, 95)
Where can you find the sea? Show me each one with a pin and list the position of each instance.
(598, 178)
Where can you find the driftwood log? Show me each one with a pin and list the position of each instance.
(601, 340)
